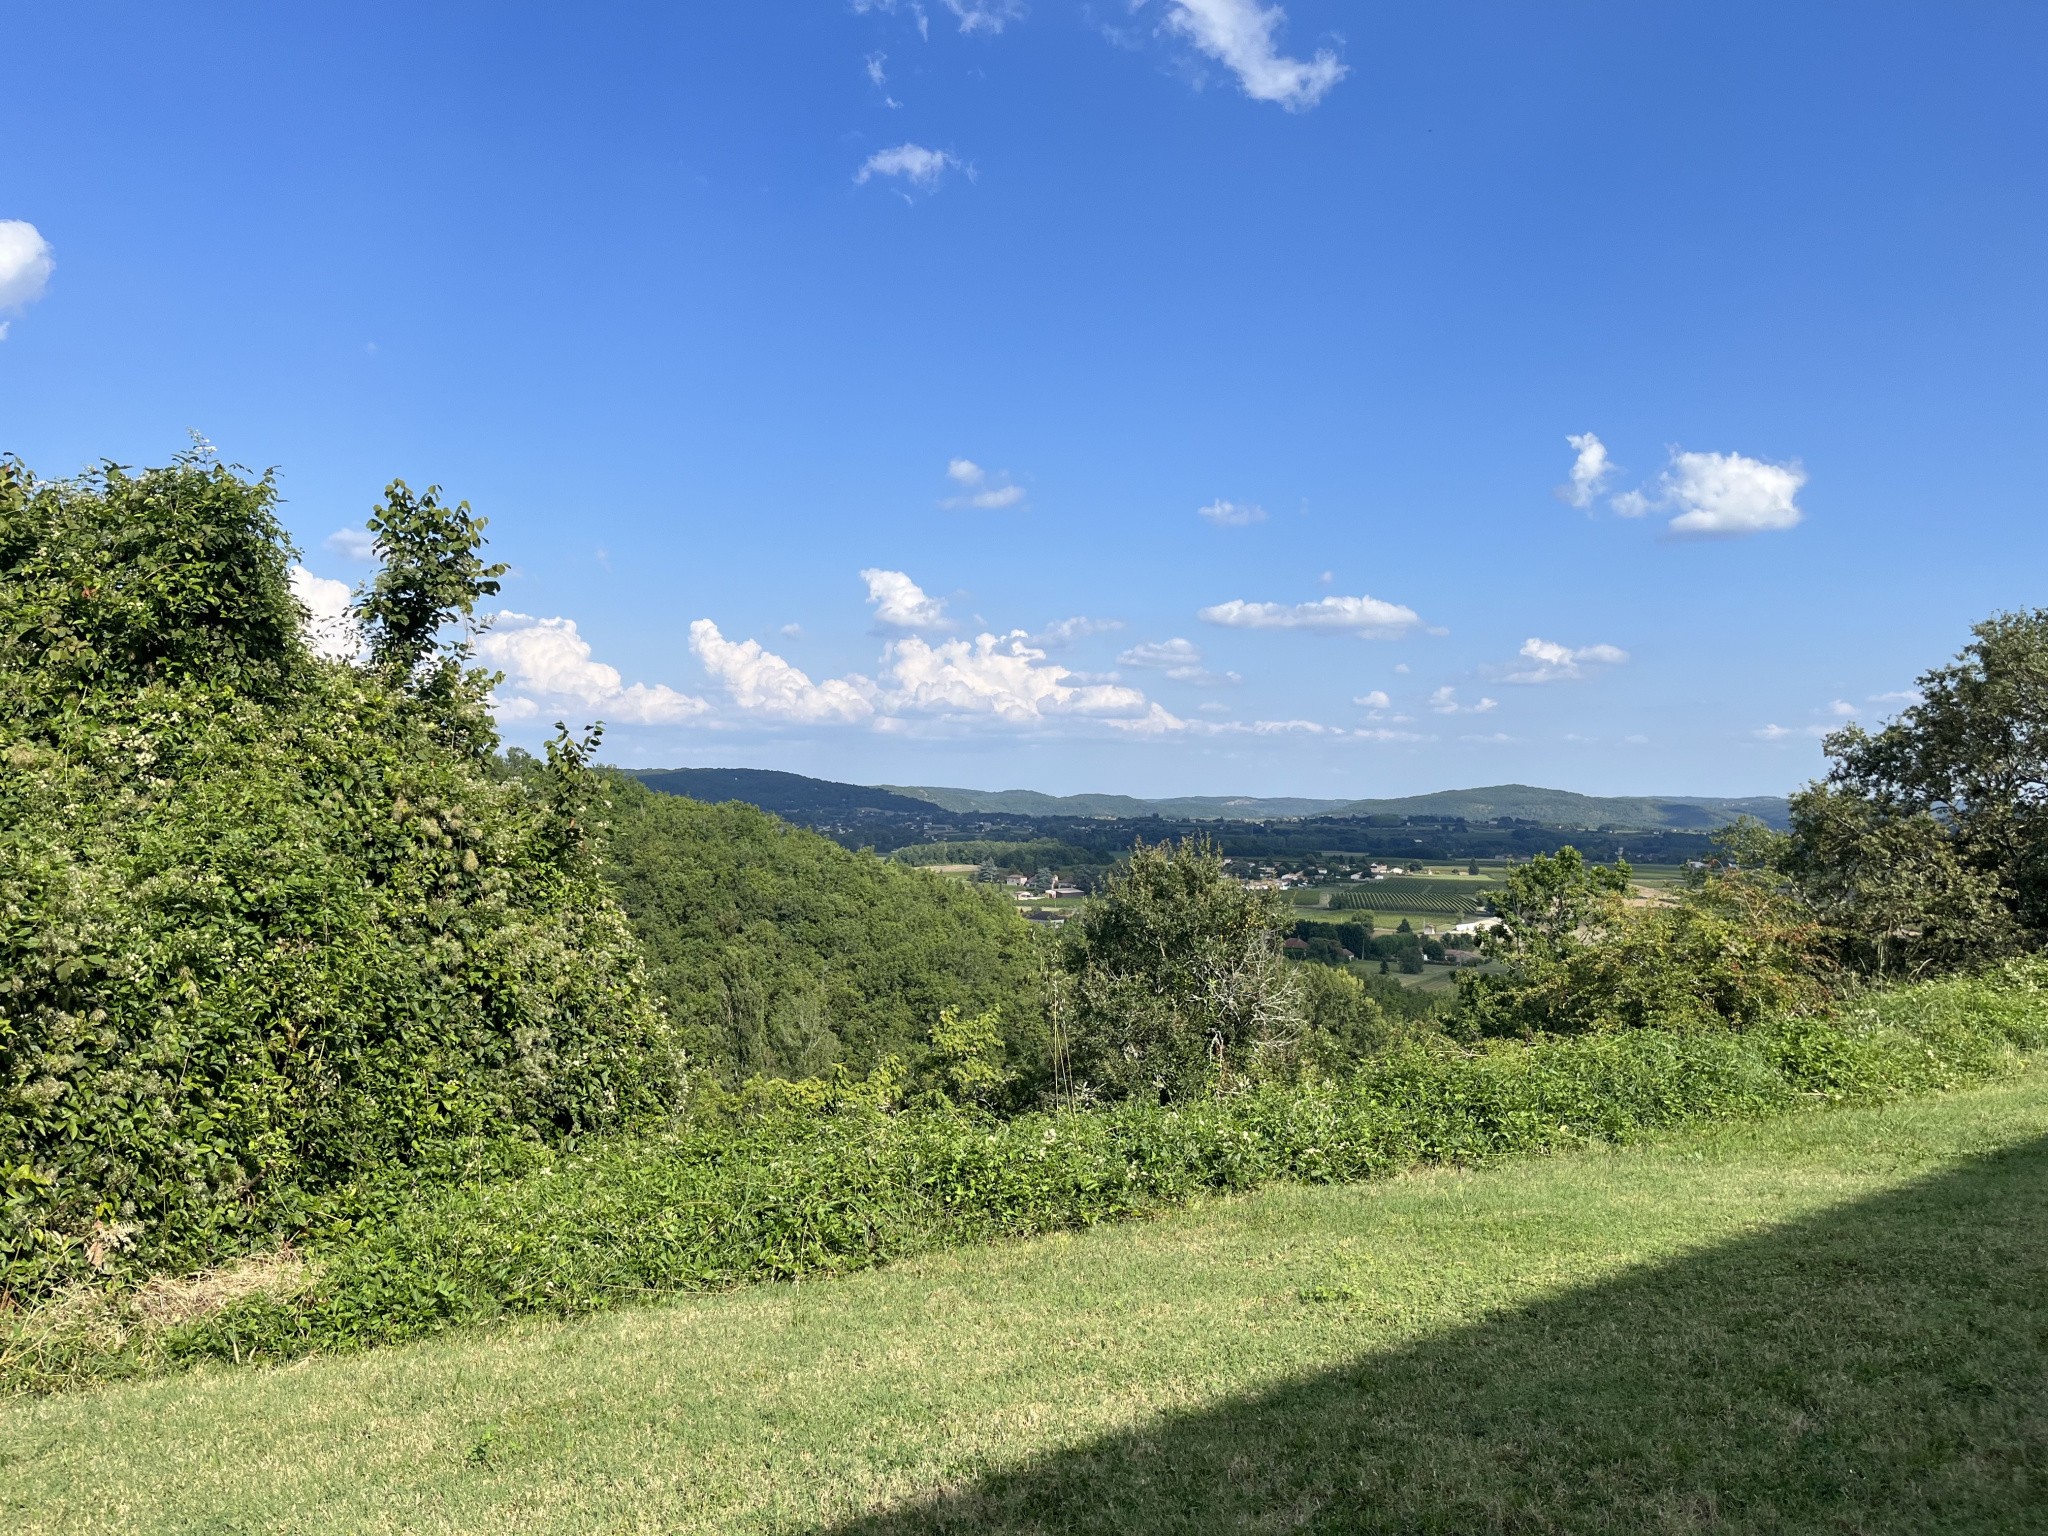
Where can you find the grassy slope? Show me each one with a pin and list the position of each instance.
(1832, 1320)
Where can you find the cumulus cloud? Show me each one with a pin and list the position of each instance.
(330, 627)
(1841, 709)
(1179, 659)
(1727, 495)
(914, 163)
(1003, 676)
(1366, 616)
(1445, 702)
(1720, 495)
(981, 492)
(1590, 470)
(1070, 631)
(351, 544)
(1238, 34)
(548, 665)
(1232, 514)
(1377, 699)
(1549, 662)
(26, 262)
(761, 682)
(901, 603)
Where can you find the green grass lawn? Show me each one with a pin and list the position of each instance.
(1834, 1321)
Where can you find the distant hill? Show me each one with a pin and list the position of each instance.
(1030, 802)
(1563, 808)
(799, 798)
(789, 795)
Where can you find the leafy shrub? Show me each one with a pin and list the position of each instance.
(267, 922)
(816, 1180)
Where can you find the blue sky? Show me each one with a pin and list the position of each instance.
(1170, 398)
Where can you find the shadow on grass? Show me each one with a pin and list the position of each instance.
(1883, 1366)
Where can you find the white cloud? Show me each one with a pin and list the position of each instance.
(888, 8)
(1554, 663)
(1003, 676)
(985, 15)
(917, 165)
(1232, 514)
(1445, 702)
(1492, 738)
(351, 543)
(1179, 659)
(981, 493)
(1326, 578)
(1784, 732)
(1383, 733)
(1590, 469)
(901, 603)
(876, 76)
(330, 627)
(1726, 494)
(761, 682)
(1069, 631)
(1842, 709)
(1377, 699)
(1631, 504)
(26, 262)
(1354, 615)
(1238, 34)
(1899, 696)
(548, 665)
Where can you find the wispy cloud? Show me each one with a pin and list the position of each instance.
(1072, 631)
(1367, 616)
(351, 544)
(921, 167)
(981, 493)
(1549, 662)
(1179, 659)
(1445, 702)
(1239, 35)
(1232, 514)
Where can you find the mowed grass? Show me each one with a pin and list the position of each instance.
(1834, 1321)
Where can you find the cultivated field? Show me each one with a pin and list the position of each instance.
(1828, 1321)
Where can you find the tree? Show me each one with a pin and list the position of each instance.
(431, 576)
(1178, 983)
(1927, 844)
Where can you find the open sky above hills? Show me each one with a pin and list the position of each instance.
(1172, 397)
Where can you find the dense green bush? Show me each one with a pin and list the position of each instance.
(266, 921)
(803, 1180)
(780, 953)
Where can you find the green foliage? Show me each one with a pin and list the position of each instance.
(1927, 846)
(429, 576)
(1581, 956)
(823, 1184)
(262, 926)
(1177, 982)
(967, 1056)
(781, 953)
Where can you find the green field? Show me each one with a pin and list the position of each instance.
(1831, 1321)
